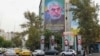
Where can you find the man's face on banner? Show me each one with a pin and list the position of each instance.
(55, 11)
(66, 42)
(79, 42)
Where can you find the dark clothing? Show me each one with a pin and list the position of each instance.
(54, 24)
(48, 20)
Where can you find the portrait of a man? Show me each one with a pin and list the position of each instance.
(54, 13)
(66, 42)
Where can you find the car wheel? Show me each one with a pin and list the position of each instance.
(43, 55)
(32, 55)
(63, 54)
(73, 54)
(55, 54)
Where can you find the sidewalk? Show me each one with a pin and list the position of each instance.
(94, 54)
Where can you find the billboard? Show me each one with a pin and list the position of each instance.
(54, 15)
(79, 40)
(69, 38)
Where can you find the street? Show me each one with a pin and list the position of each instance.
(1, 54)
(94, 54)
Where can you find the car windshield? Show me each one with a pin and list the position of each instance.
(70, 50)
(37, 50)
(53, 50)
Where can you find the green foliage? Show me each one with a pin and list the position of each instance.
(58, 40)
(86, 14)
(17, 41)
(1, 41)
(5, 43)
(32, 26)
(34, 38)
(58, 37)
(47, 34)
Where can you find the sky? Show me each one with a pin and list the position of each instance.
(12, 13)
(98, 2)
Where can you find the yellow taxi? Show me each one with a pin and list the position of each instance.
(17, 50)
(25, 52)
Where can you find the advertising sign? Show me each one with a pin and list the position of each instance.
(54, 15)
(70, 37)
(42, 42)
(79, 43)
(66, 42)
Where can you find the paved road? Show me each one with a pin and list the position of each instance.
(51, 55)
(1, 55)
(95, 54)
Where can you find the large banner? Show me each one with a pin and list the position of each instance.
(79, 40)
(69, 38)
(54, 15)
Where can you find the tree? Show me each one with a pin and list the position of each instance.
(75, 31)
(58, 41)
(33, 20)
(34, 38)
(47, 34)
(57, 35)
(1, 41)
(5, 43)
(17, 41)
(86, 13)
(32, 26)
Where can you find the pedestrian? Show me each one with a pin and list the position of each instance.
(84, 53)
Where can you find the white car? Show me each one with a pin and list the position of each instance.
(9, 52)
(68, 52)
(38, 52)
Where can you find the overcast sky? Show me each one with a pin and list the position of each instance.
(11, 13)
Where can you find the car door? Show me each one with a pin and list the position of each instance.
(69, 52)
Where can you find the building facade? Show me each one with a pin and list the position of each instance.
(7, 35)
(64, 24)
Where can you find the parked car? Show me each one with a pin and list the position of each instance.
(38, 52)
(17, 50)
(0, 50)
(25, 52)
(68, 52)
(51, 52)
(9, 52)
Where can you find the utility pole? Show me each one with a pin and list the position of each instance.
(68, 21)
(42, 37)
(67, 24)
